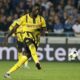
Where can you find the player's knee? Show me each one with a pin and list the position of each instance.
(33, 54)
(24, 57)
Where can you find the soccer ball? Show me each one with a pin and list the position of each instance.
(72, 55)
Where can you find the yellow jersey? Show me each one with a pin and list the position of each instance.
(29, 28)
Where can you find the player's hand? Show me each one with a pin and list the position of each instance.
(46, 33)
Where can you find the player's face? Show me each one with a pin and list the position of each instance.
(36, 10)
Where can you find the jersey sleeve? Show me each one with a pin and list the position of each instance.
(17, 22)
(12, 26)
(43, 23)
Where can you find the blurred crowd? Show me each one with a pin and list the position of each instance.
(62, 16)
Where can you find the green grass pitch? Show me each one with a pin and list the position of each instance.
(50, 71)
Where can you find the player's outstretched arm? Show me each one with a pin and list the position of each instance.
(9, 34)
(12, 31)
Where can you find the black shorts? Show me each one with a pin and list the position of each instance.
(25, 44)
(29, 41)
(21, 45)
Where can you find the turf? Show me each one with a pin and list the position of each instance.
(50, 71)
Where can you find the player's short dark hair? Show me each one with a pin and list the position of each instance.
(35, 5)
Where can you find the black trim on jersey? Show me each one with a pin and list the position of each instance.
(26, 18)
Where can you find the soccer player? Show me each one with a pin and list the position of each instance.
(33, 25)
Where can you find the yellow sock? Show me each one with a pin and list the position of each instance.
(19, 55)
(33, 53)
(18, 64)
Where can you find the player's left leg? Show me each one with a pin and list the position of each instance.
(34, 55)
(32, 49)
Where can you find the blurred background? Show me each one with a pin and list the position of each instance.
(63, 25)
(62, 16)
(62, 19)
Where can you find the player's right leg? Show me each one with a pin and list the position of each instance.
(20, 54)
(21, 60)
(16, 66)
(20, 46)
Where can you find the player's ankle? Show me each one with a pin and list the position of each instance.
(8, 73)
